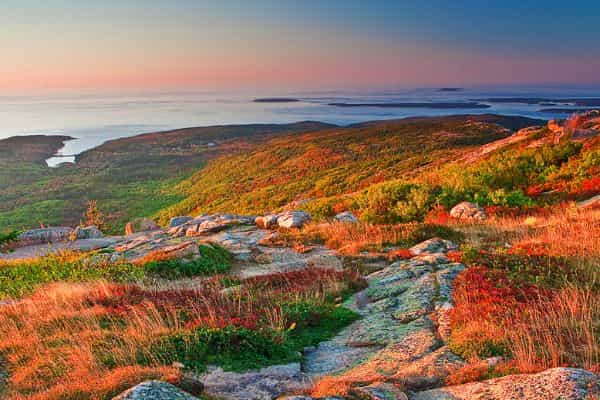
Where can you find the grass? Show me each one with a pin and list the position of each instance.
(536, 305)
(18, 278)
(92, 340)
(353, 239)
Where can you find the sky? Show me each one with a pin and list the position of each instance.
(309, 44)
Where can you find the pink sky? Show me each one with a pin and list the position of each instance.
(63, 44)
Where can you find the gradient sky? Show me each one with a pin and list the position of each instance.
(307, 44)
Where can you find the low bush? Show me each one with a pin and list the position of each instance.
(6, 239)
(213, 260)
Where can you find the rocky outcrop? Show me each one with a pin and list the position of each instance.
(177, 221)
(266, 222)
(468, 211)
(87, 232)
(286, 219)
(45, 235)
(556, 383)
(266, 383)
(293, 219)
(207, 224)
(395, 346)
(155, 390)
(434, 247)
(346, 216)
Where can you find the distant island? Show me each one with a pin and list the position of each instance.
(565, 110)
(440, 105)
(276, 100)
(584, 102)
(450, 89)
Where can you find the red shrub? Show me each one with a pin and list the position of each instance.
(439, 216)
(403, 254)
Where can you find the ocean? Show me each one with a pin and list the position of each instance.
(93, 118)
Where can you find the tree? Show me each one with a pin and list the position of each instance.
(93, 215)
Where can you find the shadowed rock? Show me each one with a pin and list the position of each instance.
(555, 383)
(154, 390)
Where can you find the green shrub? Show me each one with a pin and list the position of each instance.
(428, 231)
(213, 260)
(237, 348)
(394, 202)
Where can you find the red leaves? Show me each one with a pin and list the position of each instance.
(404, 254)
(482, 293)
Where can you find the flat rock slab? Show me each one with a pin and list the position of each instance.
(154, 390)
(40, 250)
(264, 384)
(555, 383)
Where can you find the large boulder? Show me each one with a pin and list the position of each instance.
(140, 225)
(266, 383)
(293, 219)
(204, 228)
(87, 232)
(266, 221)
(177, 221)
(555, 383)
(346, 216)
(468, 210)
(155, 390)
(45, 235)
(433, 246)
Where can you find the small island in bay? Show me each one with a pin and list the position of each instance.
(276, 100)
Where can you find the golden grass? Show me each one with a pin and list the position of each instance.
(62, 256)
(566, 231)
(560, 331)
(352, 239)
(48, 342)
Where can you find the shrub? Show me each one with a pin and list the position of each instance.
(7, 239)
(428, 231)
(93, 215)
(213, 260)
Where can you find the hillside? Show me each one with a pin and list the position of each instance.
(397, 171)
(388, 171)
(410, 293)
(130, 177)
(337, 161)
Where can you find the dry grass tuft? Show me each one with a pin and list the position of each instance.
(559, 331)
(564, 231)
(352, 239)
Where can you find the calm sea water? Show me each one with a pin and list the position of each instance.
(93, 118)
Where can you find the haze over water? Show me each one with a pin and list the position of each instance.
(93, 118)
